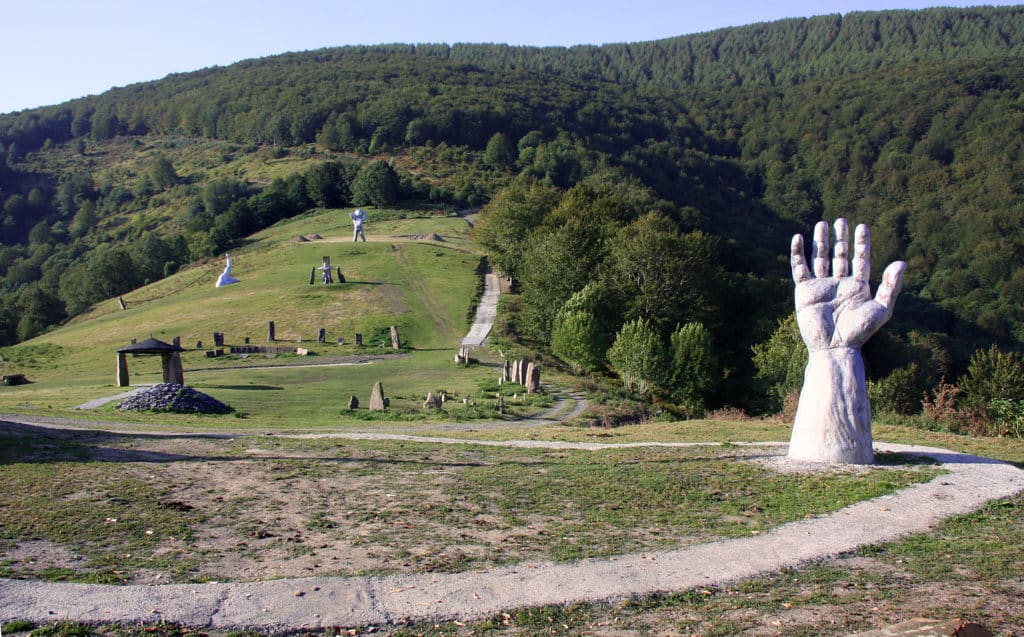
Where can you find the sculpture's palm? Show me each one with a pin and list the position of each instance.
(838, 311)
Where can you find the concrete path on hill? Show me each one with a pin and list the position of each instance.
(319, 603)
(486, 312)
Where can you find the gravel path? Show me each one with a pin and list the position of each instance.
(486, 312)
(315, 603)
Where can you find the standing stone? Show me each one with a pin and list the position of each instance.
(246, 340)
(532, 379)
(359, 340)
(120, 302)
(312, 276)
(506, 371)
(377, 397)
(218, 339)
(321, 335)
(270, 331)
(199, 345)
(122, 370)
(341, 277)
(432, 401)
(176, 341)
(501, 405)
(353, 402)
(395, 342)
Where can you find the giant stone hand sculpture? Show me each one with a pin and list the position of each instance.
(837, 315)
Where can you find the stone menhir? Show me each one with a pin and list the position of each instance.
(341, 277)
(837, 315)
(359, 340)
(396, 343)
(501, 405)
(377, 400)
(506, 371)
(353, 402)
(321, 335)
(532, 378)
(312, 276)
(218, 339)
(432, 401)
(270, 331)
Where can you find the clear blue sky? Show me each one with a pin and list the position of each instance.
(56, 50)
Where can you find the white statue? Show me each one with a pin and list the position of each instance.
(225, 277)
(837, 315)
(357, 217)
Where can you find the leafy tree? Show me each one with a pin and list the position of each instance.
(220, 194)
(556, 265)
(377, 184)
(327, 185)
(780, 363)
(638, 356)
(39, 308)
(509, 218)
(162, 173)
(499, 153)
(583, 330)
(662, 276)
(694, 368)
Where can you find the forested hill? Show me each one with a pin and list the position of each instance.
(288, 98)
(716, 147)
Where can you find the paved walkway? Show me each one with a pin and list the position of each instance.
(314, 603)
(486, 312)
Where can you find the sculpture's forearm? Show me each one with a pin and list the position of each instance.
(833, 419)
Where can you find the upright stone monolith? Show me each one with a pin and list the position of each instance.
(353, 402)
(377, 397)
(122, 370)
(506, 371)
(532, 378)
(321, 335)
(270, 331)
(359, 340)
(396, 343)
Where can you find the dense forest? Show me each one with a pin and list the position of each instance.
(650, 186)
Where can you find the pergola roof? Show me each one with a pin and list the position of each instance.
(150, 346)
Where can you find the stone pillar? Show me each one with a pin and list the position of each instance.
(395, 342)
(377, 397)
(359, 340)
(176, 341)
(532, 378)
(341, 277)
(270, 331)
(218, 339)
(122, 370)
(321, 335)
(175, 374)
(505, 371)
(312, 276)
(120, 303)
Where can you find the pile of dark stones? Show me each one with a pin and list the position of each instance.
(174, 397)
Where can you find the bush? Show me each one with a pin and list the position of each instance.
(896, 393)
(694, 370)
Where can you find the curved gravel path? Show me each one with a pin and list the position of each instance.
(314, 603)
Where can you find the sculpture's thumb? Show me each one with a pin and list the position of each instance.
(891, 285)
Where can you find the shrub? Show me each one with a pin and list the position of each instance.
(638, 356)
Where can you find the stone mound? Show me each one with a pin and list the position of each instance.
(176, 398)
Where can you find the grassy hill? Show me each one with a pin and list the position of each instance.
(395, 278)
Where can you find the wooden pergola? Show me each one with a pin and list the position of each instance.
(170, 355)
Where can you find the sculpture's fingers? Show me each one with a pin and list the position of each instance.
(841, 252)
(797, 261)
(892, 283)
(819, 252)
(862, 253)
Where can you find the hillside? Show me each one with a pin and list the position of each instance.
(395, 278)
(733, 140)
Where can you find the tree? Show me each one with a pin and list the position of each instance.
(507, 220)
(499, 153)
(780, 363)
(162, 173)
(694, 368)
(662, 276)
(377, 184)
(557, 264)
(638, 356)
(327, 185)
(582, 331)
